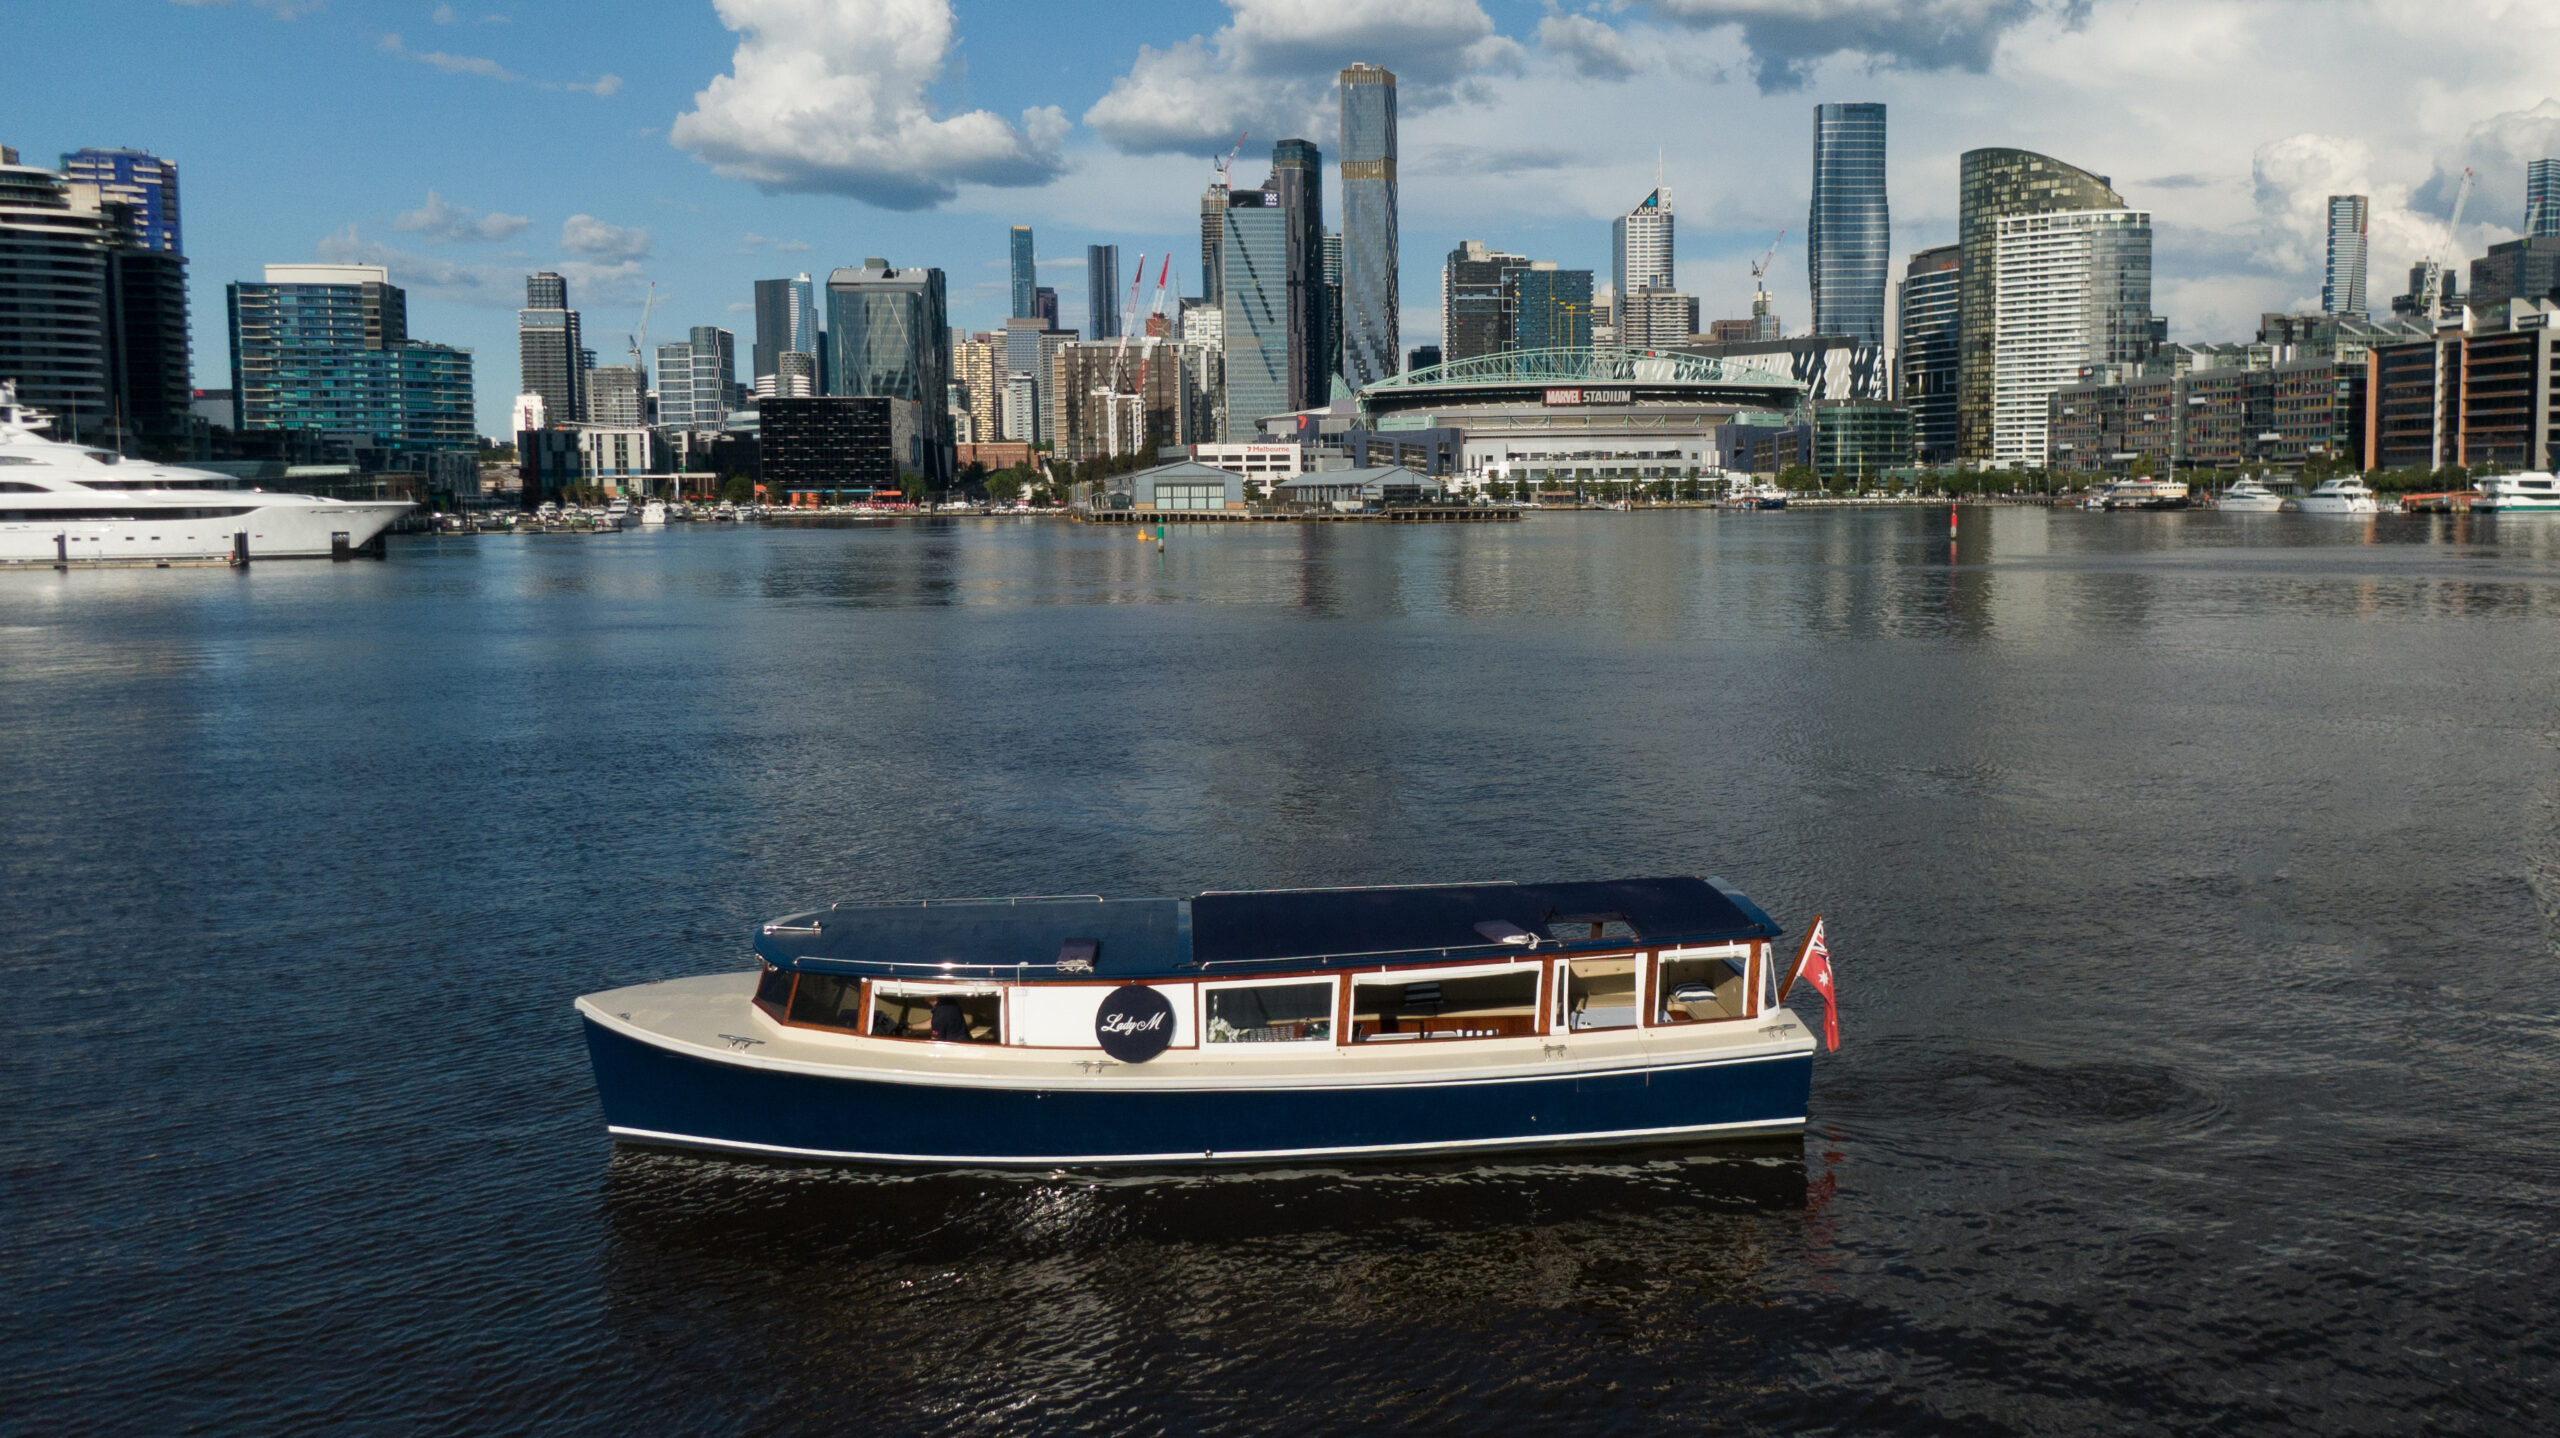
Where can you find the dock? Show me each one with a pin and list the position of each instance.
(1414, 514)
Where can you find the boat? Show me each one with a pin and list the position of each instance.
(1256, 1028)
(654, 512)
(2349, 495)
(2248, 496)
(2142, 494)
(79, 504)
(2515, 494)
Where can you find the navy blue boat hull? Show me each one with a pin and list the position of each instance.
(655, 1095)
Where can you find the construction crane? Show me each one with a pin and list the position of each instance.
(1120, 352)
(640, 340)
(2434, 269)
(1226, 167)
(1155, 311)
(1760, 267)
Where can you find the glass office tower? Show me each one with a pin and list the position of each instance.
(2541, 198)
(889, 336)
(1849, 236)
(1927, 362)
(1255, 258)
(1026, 274)
(2342, 287)
(1369, 299)
(1101, 292)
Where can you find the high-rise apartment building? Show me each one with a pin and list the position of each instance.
(1551, 307)
(978, 369)
(1641, 242)
(2072, 301)
(889, 335)
(326, 349)
(1999, 184)
(1213, 231)
(786, 326)
(53, 296)
(1369, 297)
(618, 397)
(2525, 268)
(698, 385)
(1653, 319)
(144, 181)
(2541, 198)
(1101, 291)
(1849, 233)
(1044, 306)
(549, 348)
(1297, 177)
(1026, 273)
(1329, 272)
(2342, 284)
(1476, 311)
(1254, 257)
(1931, 311)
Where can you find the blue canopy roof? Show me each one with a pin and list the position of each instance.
(1248, 932)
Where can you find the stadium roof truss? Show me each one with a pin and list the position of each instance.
(1598, 366)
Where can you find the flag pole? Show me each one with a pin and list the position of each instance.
(1802, 949)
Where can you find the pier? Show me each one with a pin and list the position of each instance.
(1414, 514)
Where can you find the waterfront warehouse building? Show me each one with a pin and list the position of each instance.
(829, 449)
(1565, 415)
(1927, 356)
(1370, 299)
(1998, 184)
(2073, 298)
(889, 337)
(325, 349)
(1849, 233)
(550, 349)
(2342, 283)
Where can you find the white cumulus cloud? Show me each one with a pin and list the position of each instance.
(441, 222)
(589, 236)
(828, 97)
(1591, 47)
(1270, 70)
(1788, 37)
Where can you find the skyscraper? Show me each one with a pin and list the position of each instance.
(1044, 306)
(133, 177)
(1930, 309)
(326, 349)
(548, 347)
(1254, 256)
(698, 379)
(1329, 272)
(2541, 198)
(786, 323)
(889, 335)
(2342, 287)
(2073, 298)
(1551, 307)
(1369, 299)
(1026, 273)
(1849, 234)
(1997, 184)
(1475, 304)
(1101, 291)
(1297, 177)
(1642, 240)
(1213, 231)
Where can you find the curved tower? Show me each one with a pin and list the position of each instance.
(1849, 235)
(1997, 185)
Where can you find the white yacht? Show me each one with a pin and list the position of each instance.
(2338, 496)
(2248, 496)
(2516, 494)
(654, 512)
(73, 502)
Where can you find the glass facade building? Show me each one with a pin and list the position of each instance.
(1101, 291)
(1475, 300)
(326, 349)
(1026, 274)
(2541, 198)
(1997, 184)
(1551, 308)
(1297, 177)
(786, 324)
(889, 336)
(1370, 299)
(2073, 301)
(1849, 234)
(1255, 259)
(2342, 284)
(1927, 378)
(550, 350)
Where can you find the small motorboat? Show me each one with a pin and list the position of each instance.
(2248, 496)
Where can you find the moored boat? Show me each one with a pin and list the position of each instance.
(2516, 494)
(2349, 495)
(1228, 1028)
(2141, 494)
(2248, 496)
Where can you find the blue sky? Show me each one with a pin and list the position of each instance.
(642, 141)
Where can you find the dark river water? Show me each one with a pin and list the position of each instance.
(2192, 881)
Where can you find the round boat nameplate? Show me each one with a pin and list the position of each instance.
(1134, 1024)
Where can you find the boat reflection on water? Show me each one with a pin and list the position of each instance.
(912, 1299)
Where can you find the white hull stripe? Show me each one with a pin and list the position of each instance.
(1766, 1125)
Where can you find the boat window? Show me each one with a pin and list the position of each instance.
(15, 459)
(1271, 1013)
(14, 486)
(1574, 928)
(1600, 993)
(104, 456)
(1694, 989)
(905, 1013)
(829, 1001)
(773, 991)
(1474, 1006)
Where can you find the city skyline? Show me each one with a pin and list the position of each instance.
(2239, 201)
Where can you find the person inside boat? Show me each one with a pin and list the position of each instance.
(949, 1023)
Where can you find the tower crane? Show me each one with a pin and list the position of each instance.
(1768, 257)
(1226, 167)
(2434, 273)
(1120, 352)
(640, 340)
(1155, 311)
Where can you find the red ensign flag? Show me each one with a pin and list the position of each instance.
(1813, 965)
